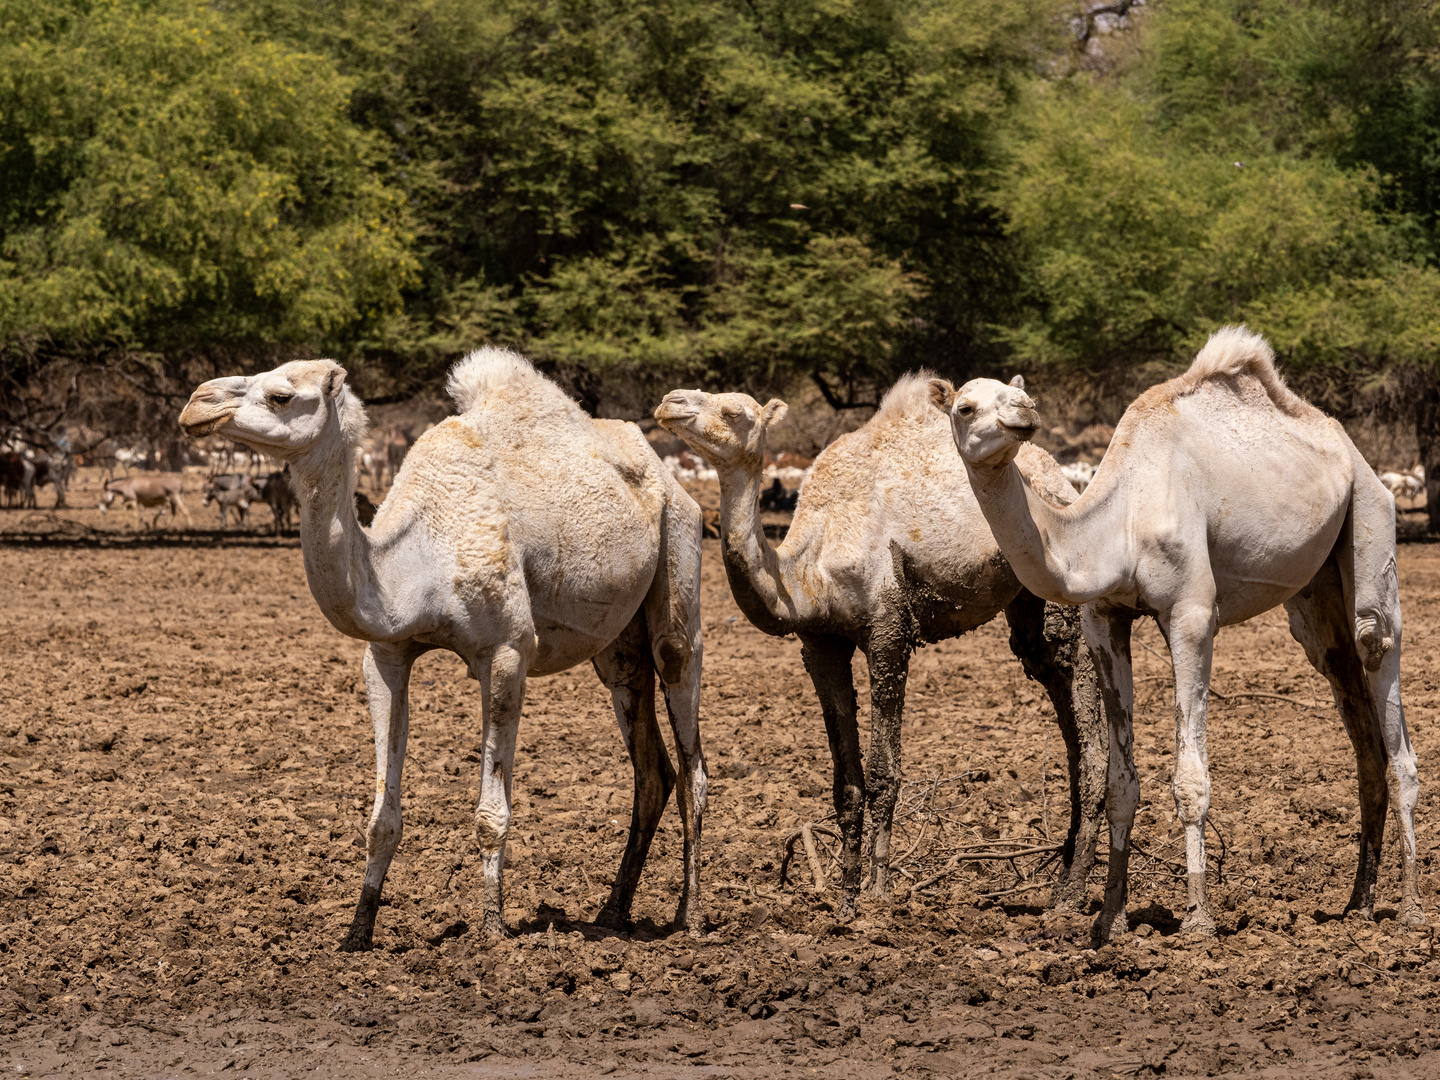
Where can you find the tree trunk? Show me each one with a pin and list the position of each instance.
(1427, 434)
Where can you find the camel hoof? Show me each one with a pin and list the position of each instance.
(610, 919)
(493, 926)
(356, 943)
(1108, 928)
(1198, 924)
(1411, 914)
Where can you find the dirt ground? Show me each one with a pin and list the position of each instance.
(185, 767)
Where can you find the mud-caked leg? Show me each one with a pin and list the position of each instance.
(889, 658)
(1049, 642)
(627, 669)
(387, 681)
(1377, 623)
(1108, 636)
(502, 696)
(827, 658)
(1320, 622)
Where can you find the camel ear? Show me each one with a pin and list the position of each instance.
(1018, 382)
(774, 410)
(941, 394)
(333, 382)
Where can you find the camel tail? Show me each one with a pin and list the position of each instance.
(483, 371)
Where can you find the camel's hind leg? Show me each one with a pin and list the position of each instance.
(1049, 643)
(1320, 622)
(626, 668)
(1108, 636)
(1366, 557)
(672, 617)
(387, 683)
(827, 658)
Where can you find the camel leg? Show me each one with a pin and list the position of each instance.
(1190, 628)
(1374, 588)
(1320, 622)
(672, 616)
(1108, 636)
(827, 658)
(1048, 641)
(387, 683)
(502, 694)
(626, 668)
(889, 657)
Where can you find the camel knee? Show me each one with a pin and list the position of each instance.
(671, 653)
(382, 835)
(1191, 788)
(1373, 638)
(492, 827)
(1122, 799)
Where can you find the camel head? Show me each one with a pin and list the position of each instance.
(989, 419)
(284, 412)
(724, 429)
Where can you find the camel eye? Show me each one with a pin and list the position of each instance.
(280, 400)
(964, 410)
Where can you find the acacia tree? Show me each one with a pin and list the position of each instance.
(1226, 168)
(174, 192)
(737, 192)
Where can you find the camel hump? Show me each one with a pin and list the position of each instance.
(910, 396)
(1231, 352)
(1234, 350)
(490, 371)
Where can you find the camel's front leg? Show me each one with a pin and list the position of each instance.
(889, 658)
(1108, 636)
(1191, 633)
(502, 695)
(1048, 640)
(387, 682)
(827, 658)
(625, 667)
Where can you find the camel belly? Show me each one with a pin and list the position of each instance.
(1263, 564)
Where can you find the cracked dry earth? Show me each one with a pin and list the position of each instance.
(184, 759)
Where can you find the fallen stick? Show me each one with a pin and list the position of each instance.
(816, 870)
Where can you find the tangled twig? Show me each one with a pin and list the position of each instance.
(807, 833)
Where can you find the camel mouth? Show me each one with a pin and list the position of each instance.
(198, 429)
(1022, 431)
(668, 413)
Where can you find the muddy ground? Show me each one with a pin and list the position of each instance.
(185, 765)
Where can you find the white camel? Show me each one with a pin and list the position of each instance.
(1183, 521)
(521, 535)
(888, 551)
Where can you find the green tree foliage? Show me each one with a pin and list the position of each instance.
(739, 192)
(172, 186)
(1216, 176)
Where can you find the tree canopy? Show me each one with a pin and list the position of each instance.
(735, 193)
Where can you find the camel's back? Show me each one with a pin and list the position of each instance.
(526, 481)
(1266, 475)
(897, 484)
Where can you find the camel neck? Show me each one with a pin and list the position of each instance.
(759, 576)
(1070, 555)
(337, 552)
